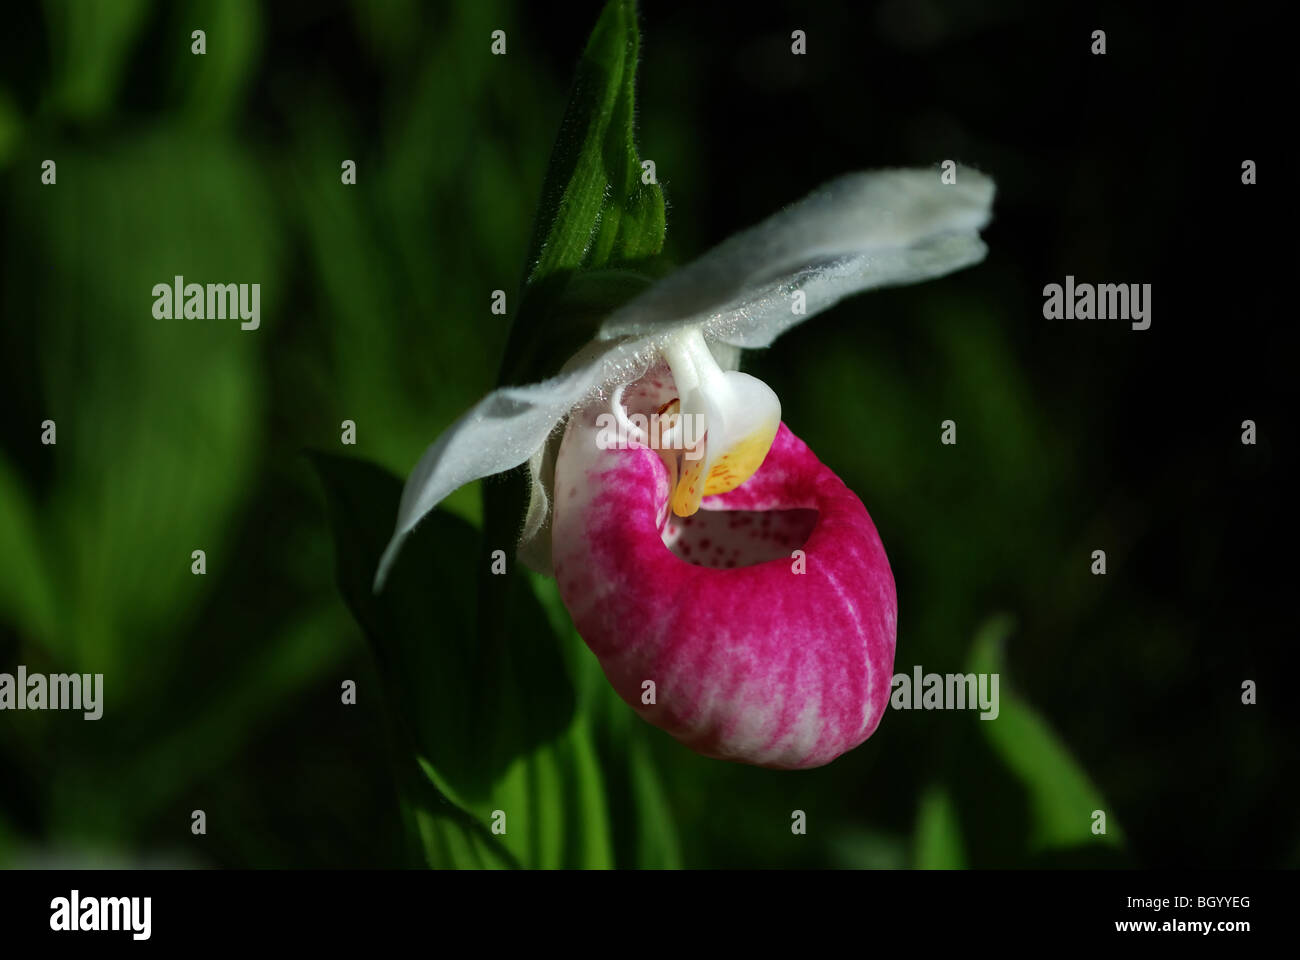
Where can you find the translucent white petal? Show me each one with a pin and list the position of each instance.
(535, 541)
(728, 356)
(758, 319)
(859, 231)
(506, 428)
(501, 431)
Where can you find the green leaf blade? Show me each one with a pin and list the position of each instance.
(595, 211)
(476, 729)
(938, 839)
(1062, 797)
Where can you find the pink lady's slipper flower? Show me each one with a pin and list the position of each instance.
(733, 588)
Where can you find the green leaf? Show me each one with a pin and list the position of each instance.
(11, 127)
(657, 844)
(474, 711)
(644, 830)
(599, 228)
(214, 83)
(26, 594)
(595, 211)
(938, 832)
(1062, 798)
(180, 407)
(478, 727)
(91, 45)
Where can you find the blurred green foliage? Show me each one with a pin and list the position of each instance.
(223, 691)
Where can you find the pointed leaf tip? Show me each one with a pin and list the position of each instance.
(596, 208)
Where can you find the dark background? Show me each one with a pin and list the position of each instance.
(1121, 692)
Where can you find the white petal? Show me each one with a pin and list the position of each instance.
(500, 432)
(535, 541)
(859, 231)
(728, 357)
(758, 319)
(506, 428)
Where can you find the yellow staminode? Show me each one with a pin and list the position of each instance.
(740, 416)
(739, 463)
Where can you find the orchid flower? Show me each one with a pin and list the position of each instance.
(734, 590)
